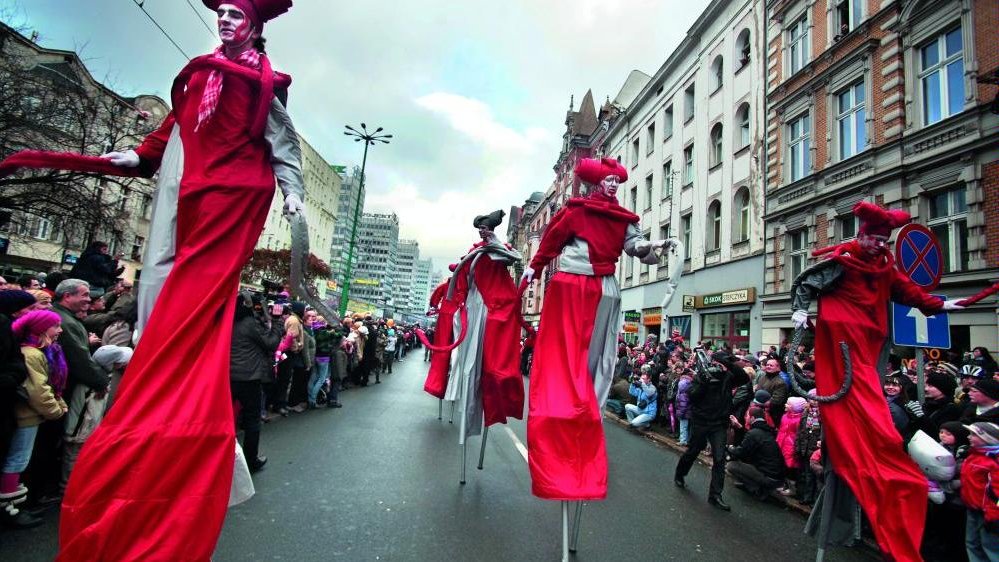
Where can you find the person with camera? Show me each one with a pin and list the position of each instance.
(640, 415)
(757, 462)
(711, 405)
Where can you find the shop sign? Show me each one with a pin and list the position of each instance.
(70, 259)
(652, 316)
(739, 296)
(631, 319)
(689, 303)
(331, 285)
(372, 282)
(4, 246)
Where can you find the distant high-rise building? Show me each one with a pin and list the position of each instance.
(351, 195)
(374, 270)
(405, 265)
(422, 285)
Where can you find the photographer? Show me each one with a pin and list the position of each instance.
(254, 339)
(642, 414)
(757, 462)
(711, 405)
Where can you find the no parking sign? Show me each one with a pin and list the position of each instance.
(918, 255)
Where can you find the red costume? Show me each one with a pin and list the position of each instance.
(576, 342)
(864, 448)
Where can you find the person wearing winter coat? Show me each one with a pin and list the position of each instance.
(97, 267)
(388, 355)
(983, 403)
(807, 443)
(12, 369)
(683, 404)
(640, 415)
(794, 413)
(757, 462)
(254, 341)
(979, 490)
(939, 406)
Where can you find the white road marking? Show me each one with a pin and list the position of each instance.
(516, 442)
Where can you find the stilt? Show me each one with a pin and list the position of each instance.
(482, 450)
(464, 454)
(820, 554)
(452, 411)
(440, 409)
(575, 526)
(565, 531)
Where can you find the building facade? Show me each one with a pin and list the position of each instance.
(892, 102)
(350, 203)
(374, 277)
(407, 254)
(692, 142)
(422, 286)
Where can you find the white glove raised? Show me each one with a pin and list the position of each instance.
(127, 159)
(799, 318)
(528, 276)
(293, 205)
(952, 305)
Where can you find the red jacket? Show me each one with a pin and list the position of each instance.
(602, 224)
(980, 483)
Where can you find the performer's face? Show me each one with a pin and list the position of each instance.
(873, 244)
(235, 28)
(608, 186)
(484, 232)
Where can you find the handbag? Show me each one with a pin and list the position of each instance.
(643, 404)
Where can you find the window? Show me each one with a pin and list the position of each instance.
(663, 235)
(668, 123)
(668, 179)
(726, 328)
(147, 206)
(685, 228)
(848, 15)
(634, 152)
(797, 253)
(949, 221)
(741, 222)
(797, 45)
(851, 116)
(650, 138)
(123, 202)
(41, 228)
(848, 227)
(799, 147)
(688, 103)
(941, 76)
(718, 72)
(644, 267)
(742, 119)
(715, 150)
(743, 49)
(713, 234)
(634, 199)
(688, 165)
(137, 245)
(648, 192)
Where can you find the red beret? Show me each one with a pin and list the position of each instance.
(877, 220)
(594, 171)
(259, 11)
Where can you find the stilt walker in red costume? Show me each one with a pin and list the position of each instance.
(577, 339)
(853, 285)
(153, 481)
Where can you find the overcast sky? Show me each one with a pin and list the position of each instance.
(474, 91)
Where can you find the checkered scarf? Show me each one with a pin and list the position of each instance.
(213, 88)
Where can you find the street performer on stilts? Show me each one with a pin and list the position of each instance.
(853, 285)
(153, 481)
(577, 339)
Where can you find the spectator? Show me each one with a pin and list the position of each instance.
(787, 437)
(982, 358)
(969, 376)
(97, 268)
(984, 402)
(640, 415)
(939, 406)
(321, 365)
(72, 297)
(900, 404)
(292, 367)
(30, 282)
(388, 356)
(328, 340)
(757, 463)
(12, 369)
(683, 404)
(254, 341)
(806, 444)
(776, 382)
(979, 489)
(43, 300)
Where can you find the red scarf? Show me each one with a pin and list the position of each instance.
(213, 89)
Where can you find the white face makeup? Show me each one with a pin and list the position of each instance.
(608, 186)
(485, 233)
(235, 29)
(873, 244)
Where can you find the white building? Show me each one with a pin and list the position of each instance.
(691, 141)
(405, 266)
(351, 201)
(373, 273)
(422, 286)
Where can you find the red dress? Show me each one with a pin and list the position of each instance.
(863, 446)
(153, 481)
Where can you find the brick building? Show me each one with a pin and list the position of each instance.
(889, 101)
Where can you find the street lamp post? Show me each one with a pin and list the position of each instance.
(369, 138)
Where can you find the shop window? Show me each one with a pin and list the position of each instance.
(948, 219)
(728, 329)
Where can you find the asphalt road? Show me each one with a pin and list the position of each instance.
(378, 480)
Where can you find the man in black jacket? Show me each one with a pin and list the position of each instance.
(711, 405)
(254, 341)
(757, 462)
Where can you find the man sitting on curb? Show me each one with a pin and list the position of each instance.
(757, 463)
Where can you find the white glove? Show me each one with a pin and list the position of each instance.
(799, 318)
(528, 276)
(952, 305)
(127, 159)
(293, 205)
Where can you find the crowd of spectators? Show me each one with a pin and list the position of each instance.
(769, 436)
(65, 346)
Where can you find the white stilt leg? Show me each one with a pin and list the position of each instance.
(453, 402)
(575, 526)
(482, 450)
(565, 531)
(440, 409)
(464, 454)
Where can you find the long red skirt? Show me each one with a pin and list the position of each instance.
(152, 483)
(565, 436)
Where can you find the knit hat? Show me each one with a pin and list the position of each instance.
(988, 387)
(761, 397)
(948, 369)
(11, 301)
(944, 383)
(34, 323)
(986, 431)
(813, 394)
(594, 171)
(490, 221)
(796, 404)
(259, 11)
(877, 220)
(109, 355)
(956, 429)
(298, 307)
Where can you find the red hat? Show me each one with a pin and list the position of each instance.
(259, 11)
(877, 220)
(594, 171)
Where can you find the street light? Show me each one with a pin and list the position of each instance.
(369, 138)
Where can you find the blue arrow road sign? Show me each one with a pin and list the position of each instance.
(912, 328)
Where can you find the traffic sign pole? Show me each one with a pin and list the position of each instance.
(920, 376)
